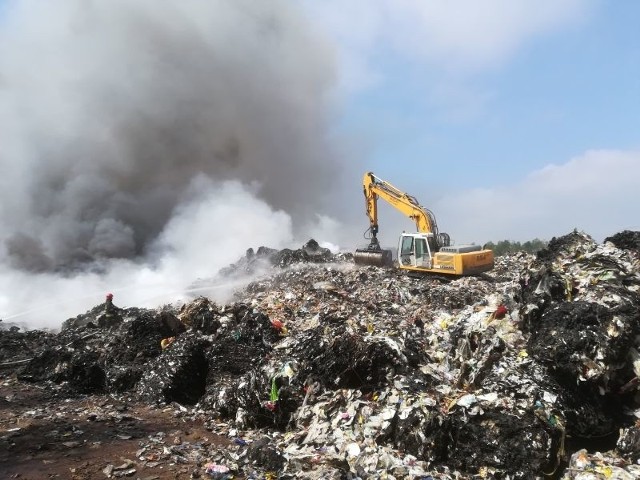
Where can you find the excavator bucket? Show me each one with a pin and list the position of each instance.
(375, 257)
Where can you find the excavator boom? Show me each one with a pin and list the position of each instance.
(375, 188)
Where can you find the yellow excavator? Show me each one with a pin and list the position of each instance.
(427, 250)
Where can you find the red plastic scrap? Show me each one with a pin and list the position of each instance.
(501, 311)
(277, 324)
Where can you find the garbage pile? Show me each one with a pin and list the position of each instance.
(321, 369)
(264, 257)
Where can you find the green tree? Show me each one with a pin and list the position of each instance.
(504, 247)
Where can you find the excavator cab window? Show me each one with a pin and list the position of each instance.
(407, 246)
(421, 248)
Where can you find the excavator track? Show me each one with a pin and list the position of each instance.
(431, 276)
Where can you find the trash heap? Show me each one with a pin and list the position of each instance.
(323, 370)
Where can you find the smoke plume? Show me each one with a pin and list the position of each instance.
(146, 143)
(110, 109)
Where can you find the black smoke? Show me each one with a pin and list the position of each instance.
(110, 109)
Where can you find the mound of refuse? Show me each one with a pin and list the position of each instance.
(264, 257)
(323, 369)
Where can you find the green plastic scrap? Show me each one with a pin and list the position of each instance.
(606, 275)
(274, 391)
(286, 371)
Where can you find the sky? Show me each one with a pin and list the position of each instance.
(146, 145)
(510, 120)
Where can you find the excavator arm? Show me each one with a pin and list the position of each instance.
(375, 188)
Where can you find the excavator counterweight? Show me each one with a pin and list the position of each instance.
(427, 250)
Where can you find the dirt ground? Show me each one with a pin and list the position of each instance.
(43, 436)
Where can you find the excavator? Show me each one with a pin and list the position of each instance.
(427, 250)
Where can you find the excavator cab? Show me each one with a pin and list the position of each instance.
(420, 252)
(415, 250)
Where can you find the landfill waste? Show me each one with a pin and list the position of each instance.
(320, 369)
(310, 252)
(627, 240)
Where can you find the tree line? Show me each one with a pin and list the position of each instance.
(507, 246)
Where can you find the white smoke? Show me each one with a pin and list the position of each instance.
(209, 231)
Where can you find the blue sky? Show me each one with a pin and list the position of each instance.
(454, 97)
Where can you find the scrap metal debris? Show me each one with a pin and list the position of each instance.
(323, 369)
